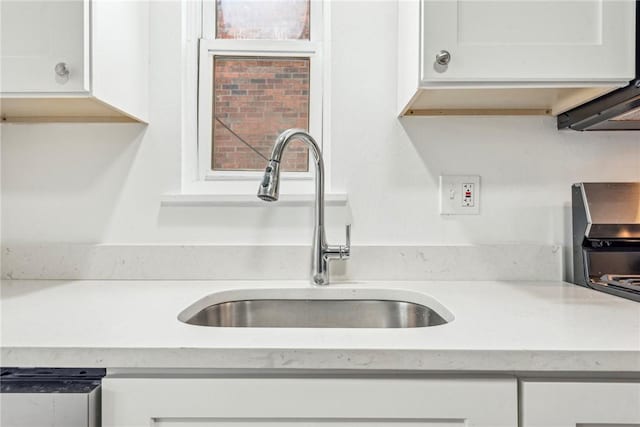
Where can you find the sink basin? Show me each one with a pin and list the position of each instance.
(332, 310)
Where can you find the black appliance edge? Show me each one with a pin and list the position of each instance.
(594, 115)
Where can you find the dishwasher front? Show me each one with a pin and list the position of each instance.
(52, 397)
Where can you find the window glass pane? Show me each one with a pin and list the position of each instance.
(262, 19)
(255, 99)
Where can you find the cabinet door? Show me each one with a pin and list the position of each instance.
(35, 37)
(580, 404)
(529, 40)
(307, 402)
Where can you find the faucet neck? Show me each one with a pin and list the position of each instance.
(276, 155)
(321, 252)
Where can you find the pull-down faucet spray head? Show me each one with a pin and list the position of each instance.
(269, 189)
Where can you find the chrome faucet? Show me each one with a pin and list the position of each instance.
(321, 252)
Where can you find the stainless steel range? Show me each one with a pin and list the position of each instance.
(606, 237)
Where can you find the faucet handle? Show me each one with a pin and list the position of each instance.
(348, 233)
(345, 251)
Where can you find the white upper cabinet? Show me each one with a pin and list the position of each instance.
(36, 37)
(512, 57)
(74, 60)
(522, 40)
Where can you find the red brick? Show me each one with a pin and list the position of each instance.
(261, 113)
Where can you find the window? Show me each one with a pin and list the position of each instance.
(260, 73)
(254, 99)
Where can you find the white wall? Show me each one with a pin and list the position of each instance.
(102, 182)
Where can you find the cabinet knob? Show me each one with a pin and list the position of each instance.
(443, 57)
(61, 69)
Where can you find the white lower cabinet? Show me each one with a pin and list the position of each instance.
(580, 404)
(306, 402)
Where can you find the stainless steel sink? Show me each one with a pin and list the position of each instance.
(313, 313)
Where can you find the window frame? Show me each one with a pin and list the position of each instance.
(243, 182)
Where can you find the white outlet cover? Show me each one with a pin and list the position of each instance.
(451, 195)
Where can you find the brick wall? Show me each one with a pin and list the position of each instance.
(257, 98)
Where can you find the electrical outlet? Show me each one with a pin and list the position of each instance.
(468, 195)
(459, 194)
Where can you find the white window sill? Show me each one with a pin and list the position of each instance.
(194, 200)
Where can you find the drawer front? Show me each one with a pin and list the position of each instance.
(199, 402)
(583, 404)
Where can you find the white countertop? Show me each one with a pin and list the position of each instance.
(498, 326)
